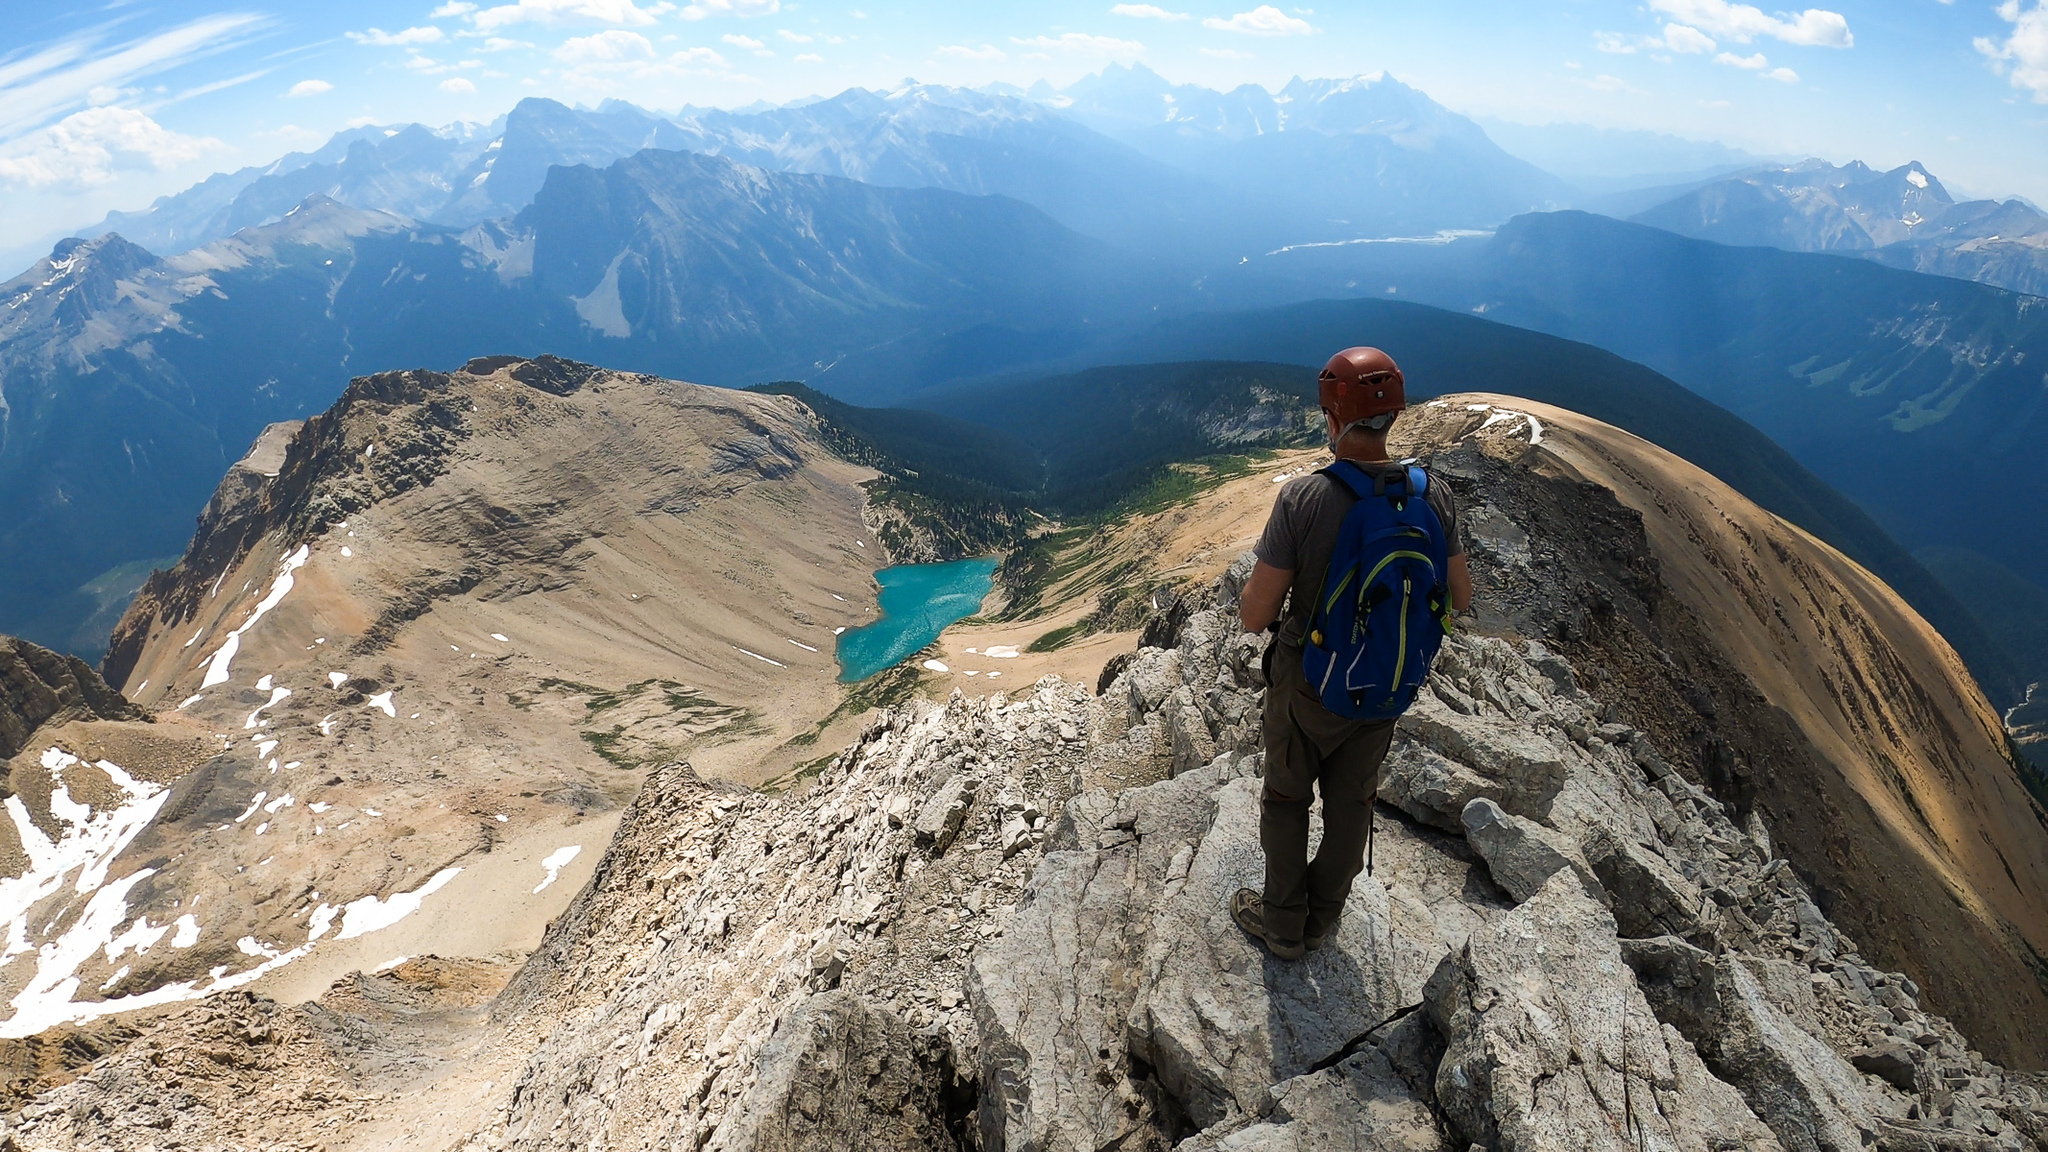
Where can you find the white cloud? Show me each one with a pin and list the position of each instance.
(810, 58)
(309, 88)
(1687, 39)
(458, 85)
(90, 147)
(500, 44)
(1782, 75)
(1146, 12)
(2026, 50)
(41, 83)
(1082, 44)
(747, 42)
(452, 8)
(792, 37)
(1265, 20)
(377, 36)
(699, 56)
(1613, 42)
(987, 53)
(608, 47)
(1815, 27)
(704, 8)
(1227, 54)
(1755, 63)
(623, 12)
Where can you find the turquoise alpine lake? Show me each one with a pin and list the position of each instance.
(918, 601)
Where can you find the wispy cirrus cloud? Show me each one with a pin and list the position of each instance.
(427, 34)
(40, 84)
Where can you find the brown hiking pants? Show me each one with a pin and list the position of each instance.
(1308, 747)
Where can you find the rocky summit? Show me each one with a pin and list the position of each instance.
(955, 941)
(1635, 882)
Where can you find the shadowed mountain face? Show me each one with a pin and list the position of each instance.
(1903, 218)
(129, 382)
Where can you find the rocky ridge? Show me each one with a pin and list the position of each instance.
(1596, 945)
(959, 938)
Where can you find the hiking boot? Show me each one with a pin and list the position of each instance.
(1312, 937)
(1248, 908)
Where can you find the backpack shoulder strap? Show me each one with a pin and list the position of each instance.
(1351, 476)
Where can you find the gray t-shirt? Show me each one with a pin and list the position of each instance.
(1302, 532)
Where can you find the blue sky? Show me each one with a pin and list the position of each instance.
(106, 106)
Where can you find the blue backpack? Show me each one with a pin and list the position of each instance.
(1385, 601)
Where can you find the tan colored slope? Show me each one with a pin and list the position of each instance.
(1918, 828)
(535, 591)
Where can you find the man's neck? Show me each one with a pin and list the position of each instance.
(1371, 453)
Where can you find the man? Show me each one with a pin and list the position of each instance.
(1307, 745)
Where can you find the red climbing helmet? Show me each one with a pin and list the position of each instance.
(1362, 384)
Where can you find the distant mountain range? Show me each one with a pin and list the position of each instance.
(1904, 218)
(1359, 157)
(129, 381)
(1222, 174)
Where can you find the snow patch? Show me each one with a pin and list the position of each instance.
(1002, 652)
(337, 679)
(371, 914)
(382, 702)
(936, 666)
(556, 861)
(217, 668)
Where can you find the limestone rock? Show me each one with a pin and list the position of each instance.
(1552, 1046)
(1521, 770)
(1521, 854)
(1051, 996)
(1650, 897)
(939, 821)
(839, 1075)
(1359, 1105)
(1219, 1019)
(1894, 1063)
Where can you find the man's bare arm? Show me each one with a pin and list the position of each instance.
(1460, 574)
(1263, 595)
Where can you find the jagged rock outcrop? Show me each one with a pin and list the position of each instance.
(38, 687)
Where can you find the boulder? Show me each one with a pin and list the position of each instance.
(1894, 1063)
(1649, 897)
(942, 816)
(1753, 1022)
(1497, 757)
(1550, 1044)
(838, 1074)
(1521, 854)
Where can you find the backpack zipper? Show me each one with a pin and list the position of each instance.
(1401, 661)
